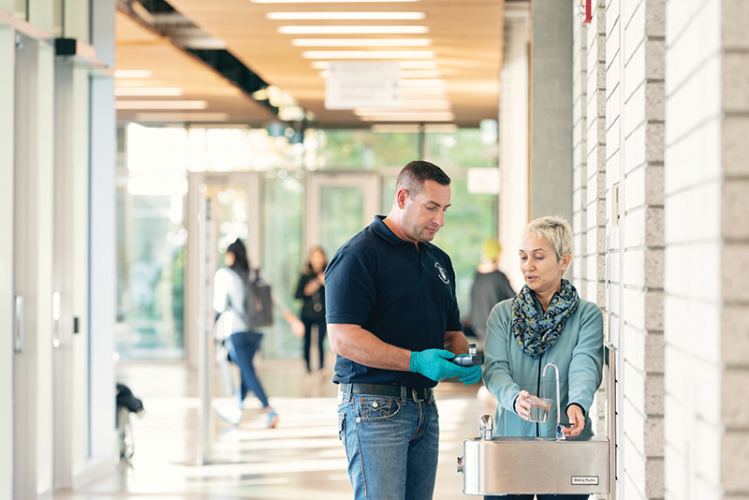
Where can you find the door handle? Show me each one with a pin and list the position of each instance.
(18, 324)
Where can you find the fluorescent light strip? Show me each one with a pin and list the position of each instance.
(410, 117)
(133, 73)
(421, 93)
(346, 16)
(361, 42)
(160, 105)
(407, 106)
(418, 65)
(142, 91)
(367, 54)
(334, 1)
(181, 117)
(353, 30)
(402, 64)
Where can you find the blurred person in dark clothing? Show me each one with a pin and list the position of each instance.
(490, 287)
(311, 289)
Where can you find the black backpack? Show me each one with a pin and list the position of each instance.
(258, 301)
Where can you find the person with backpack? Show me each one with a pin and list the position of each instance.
(244, 302)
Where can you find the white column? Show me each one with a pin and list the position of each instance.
(7, 50)
(513, 140)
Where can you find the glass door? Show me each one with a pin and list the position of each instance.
(230, 204)
(338, 206)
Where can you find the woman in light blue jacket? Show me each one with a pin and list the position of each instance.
(546, 322)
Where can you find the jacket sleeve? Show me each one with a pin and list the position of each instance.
(300, 287)
(497, 377)
(586, 366)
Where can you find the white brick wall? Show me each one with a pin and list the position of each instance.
(706, 305)
(581, 266)
(625, 256)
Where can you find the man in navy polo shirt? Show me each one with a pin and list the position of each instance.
(393, 322)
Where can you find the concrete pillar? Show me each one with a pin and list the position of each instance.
(551, 109)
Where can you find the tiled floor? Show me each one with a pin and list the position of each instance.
(300, 459)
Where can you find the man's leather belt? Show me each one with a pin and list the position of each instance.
(417, 394)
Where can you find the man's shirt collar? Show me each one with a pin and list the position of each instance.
(382, 229)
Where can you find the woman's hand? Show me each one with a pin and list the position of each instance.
(523, 405)
(297, 328)
(321, 278)
(311, 287)
(577, 421)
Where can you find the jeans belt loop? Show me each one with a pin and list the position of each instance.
(416, 398)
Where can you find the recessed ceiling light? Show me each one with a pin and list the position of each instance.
(366, 54)
(333, 1)
(133, 73)
(346, 16)
(161, 104)
(142, 91)
(353, 30)
(423, 82)
(361, 42)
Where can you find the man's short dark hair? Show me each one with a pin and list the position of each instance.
(413, 176)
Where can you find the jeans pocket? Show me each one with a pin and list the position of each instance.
(433, 404)
(375, 408)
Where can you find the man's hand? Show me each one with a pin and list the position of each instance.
(434, 364)
(473, 375)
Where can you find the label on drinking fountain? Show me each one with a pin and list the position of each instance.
(585, 480)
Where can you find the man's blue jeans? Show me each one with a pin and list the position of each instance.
(392, 445)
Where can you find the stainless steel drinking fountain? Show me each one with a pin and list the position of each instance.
(520, 465)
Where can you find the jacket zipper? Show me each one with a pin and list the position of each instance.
(538, 387)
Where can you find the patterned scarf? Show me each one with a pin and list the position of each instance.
(534, 334)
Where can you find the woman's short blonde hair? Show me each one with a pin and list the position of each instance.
(557, 231)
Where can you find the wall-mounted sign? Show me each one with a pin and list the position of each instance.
(483, 180)
(354, 84)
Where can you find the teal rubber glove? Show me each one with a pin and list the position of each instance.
(434, 364)
(473, 375)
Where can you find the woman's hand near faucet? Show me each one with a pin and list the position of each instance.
(577, 421)
(523, 405)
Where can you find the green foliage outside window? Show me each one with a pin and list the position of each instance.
(365, 149)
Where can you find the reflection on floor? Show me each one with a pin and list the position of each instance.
(301, 458)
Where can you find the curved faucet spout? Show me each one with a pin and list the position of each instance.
(560, 435)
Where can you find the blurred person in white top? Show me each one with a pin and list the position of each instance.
(240, 340)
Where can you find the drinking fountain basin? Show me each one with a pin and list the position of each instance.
(514, 465)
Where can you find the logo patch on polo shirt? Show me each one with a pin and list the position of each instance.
(442, 273)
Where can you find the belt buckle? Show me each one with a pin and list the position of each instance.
(413, 394)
